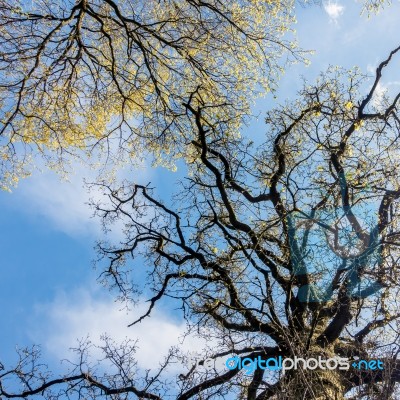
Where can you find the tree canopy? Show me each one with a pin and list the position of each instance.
(77, 74)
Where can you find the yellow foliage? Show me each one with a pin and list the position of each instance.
(88, 80)
(348, 105)
(358, 124)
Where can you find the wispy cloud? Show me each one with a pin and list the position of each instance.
(378, 97)
(64, 203)
(334, 10)
(83, 313)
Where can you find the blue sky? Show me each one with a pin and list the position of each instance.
(48, 288)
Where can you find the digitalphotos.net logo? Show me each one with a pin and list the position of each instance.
(250, 365)
(282, 364)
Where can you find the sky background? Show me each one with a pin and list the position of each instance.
(48, 288)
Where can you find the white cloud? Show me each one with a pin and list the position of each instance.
(82, 313)
(334, 10)
(381, 89)
(64, 203)
(379, 93)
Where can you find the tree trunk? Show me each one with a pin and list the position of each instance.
(312, 385)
